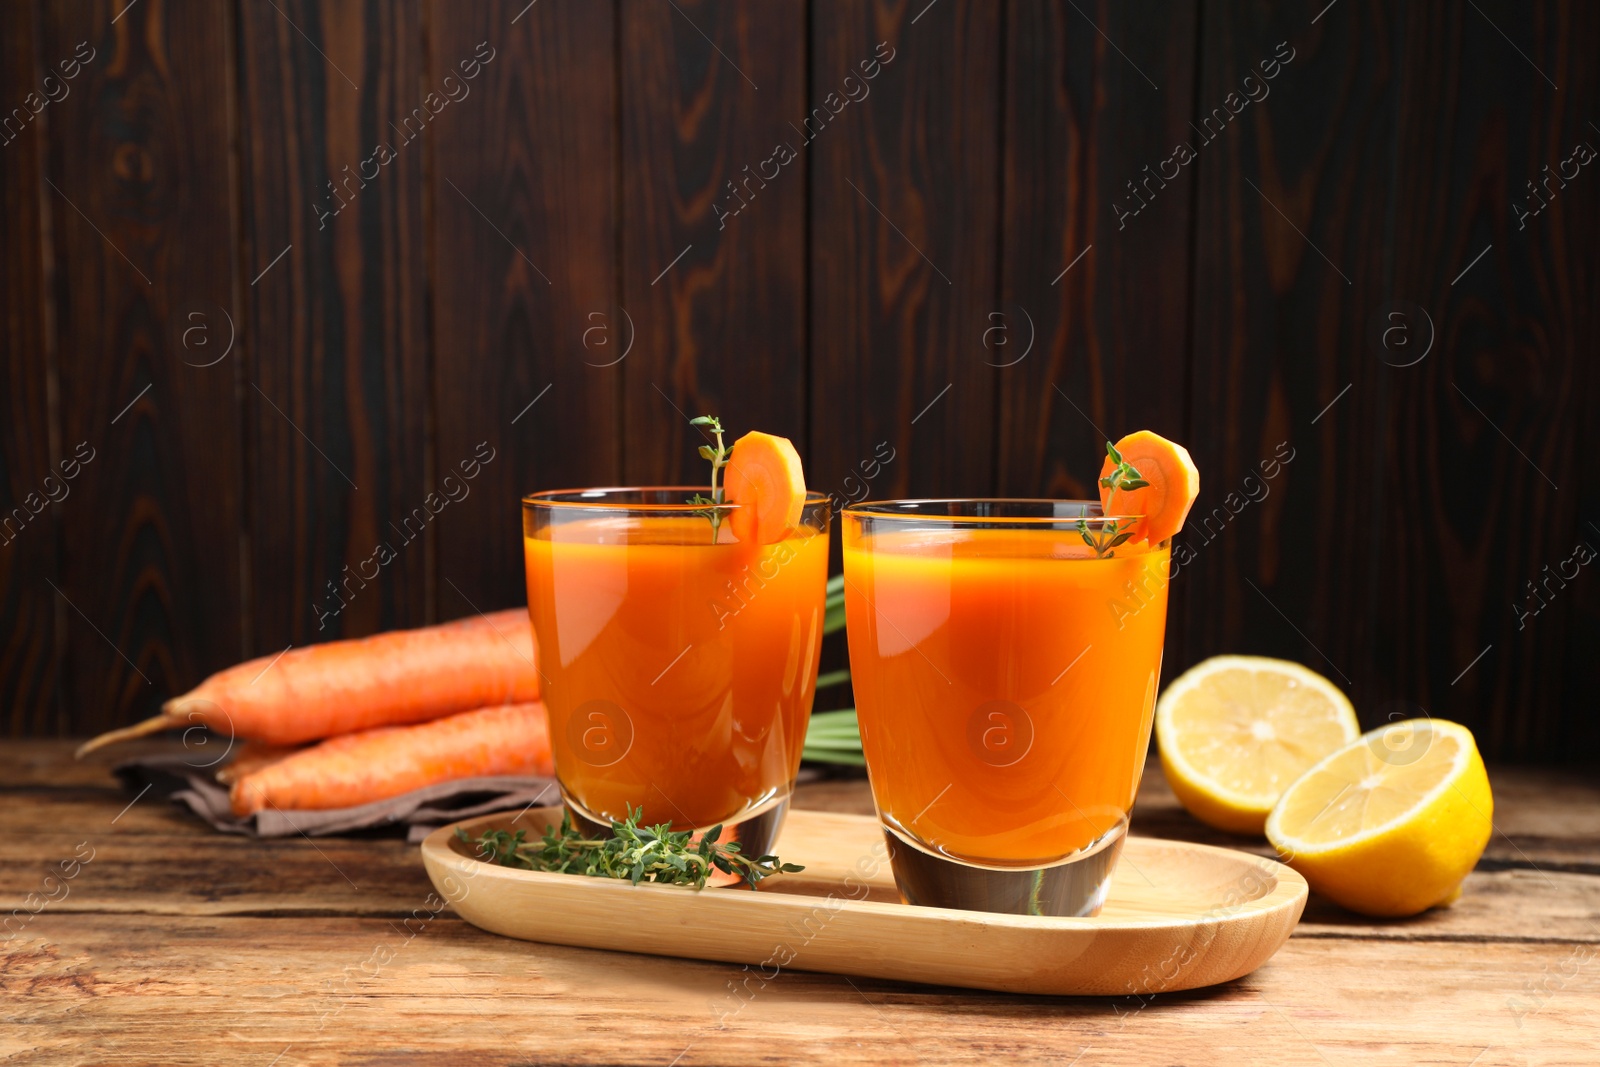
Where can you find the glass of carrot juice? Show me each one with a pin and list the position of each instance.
(678, 663)
(1005, 657)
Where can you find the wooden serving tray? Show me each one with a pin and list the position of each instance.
(1178, 915)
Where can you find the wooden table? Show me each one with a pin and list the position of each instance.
(174, 944)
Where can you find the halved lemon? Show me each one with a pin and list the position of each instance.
(1235, 731)
(1392, 823)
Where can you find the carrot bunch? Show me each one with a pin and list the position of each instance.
(386, 761)
(390, 713)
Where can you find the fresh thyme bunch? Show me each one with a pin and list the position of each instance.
(637, 853)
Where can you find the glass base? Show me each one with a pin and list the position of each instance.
(756, 831)
(1075, 886)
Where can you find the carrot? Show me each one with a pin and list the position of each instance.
(1174, 484)
(360, 768)
(252, 756)
(307, 694)
(765, 479)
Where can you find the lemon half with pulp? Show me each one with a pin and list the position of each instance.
(1235, 731)
(1392, 823)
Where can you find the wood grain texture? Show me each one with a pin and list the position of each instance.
(1536, 880)
(1481, 474)
(903, 223)
(347, 990)
(135, 964)
(338, 121)
(1305, 268)
(524, 230)
(472, 295)
(213, 875)
(143, 230)
(1210, 914)
(204, 873)
(1086, 131)
(28, 514)
(1288, 249)
(1579, 729)
(1092, 342)
(710, 92)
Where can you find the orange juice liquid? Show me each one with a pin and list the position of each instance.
(1005, 682)
(678, 674)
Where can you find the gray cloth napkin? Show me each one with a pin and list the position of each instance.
(420, 811)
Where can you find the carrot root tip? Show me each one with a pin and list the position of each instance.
(164, 721)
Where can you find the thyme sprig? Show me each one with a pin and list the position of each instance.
(719, 459)
(637, 853)
(1124, 477)
(1106, 537)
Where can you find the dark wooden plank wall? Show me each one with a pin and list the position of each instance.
(962, 231)
(905, 197)
(334, 135)
(1094, 300)
(1392, 552)
(142, 206)
(709, 91)
(1522, 337)
(29, 607)
(524, 202)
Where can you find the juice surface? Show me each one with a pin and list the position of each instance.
(1005, 682)
(679, 674)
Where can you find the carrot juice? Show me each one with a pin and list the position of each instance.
(1005, 672)
(678, 669)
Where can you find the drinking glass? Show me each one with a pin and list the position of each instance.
(1005, 656)
(678, 663)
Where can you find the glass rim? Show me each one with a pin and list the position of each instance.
(584, 499)
(900, 510)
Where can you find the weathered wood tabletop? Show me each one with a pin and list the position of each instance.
(174, 944)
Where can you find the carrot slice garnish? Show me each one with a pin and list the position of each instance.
(764, 478)
(1172, 483)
